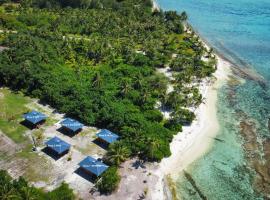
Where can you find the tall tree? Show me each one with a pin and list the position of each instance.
(117, 153)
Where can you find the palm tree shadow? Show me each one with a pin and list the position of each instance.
(138, 164)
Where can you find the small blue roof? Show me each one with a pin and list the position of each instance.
(71, 124)
(94, 166)
(34, 117)
(107, 136)
(58, 145)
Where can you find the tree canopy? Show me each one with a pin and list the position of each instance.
(97, 61)
(20, 189)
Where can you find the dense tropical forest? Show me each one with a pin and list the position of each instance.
(97, 61)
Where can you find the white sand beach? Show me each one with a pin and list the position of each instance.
(148, 181)
(195, 140)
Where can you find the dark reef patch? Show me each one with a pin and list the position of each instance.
(258, 156)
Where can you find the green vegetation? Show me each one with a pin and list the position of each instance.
(117, 153)
(97, 61)
(108, 181)
(61, 193)
(12, 106)
(106, 75)
(20, 189)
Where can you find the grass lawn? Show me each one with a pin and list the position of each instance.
(12, 106)
(37, 168)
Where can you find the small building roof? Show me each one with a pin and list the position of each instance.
(34, 117)
(107, 136)
(58, 145)
(92, 165)
(71, 124)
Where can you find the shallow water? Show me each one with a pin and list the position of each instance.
(241, 31)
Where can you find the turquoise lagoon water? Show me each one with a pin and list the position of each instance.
(240, 30)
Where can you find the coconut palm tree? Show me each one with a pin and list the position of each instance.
(7, 191)
(145, 95)
(117, 153)
(152, 146)
(138, 82)
(28, 193)
(184, 16)
(97, 80)
(125, 88)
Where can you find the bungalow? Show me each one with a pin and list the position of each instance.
(71, 125)
(107, 136)
(93, 166)
(58, 146)
(34, 117)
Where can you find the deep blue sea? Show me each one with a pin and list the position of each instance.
(240, 30)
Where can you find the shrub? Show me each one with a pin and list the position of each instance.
(61, 193)
(173, 125)
(108, 181)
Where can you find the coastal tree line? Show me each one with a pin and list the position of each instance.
(97, 61)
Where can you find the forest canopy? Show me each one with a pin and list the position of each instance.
(97, 61)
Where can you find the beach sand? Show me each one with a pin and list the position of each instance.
(195, 140)
(149, 180)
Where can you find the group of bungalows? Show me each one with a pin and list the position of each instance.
(60, 147)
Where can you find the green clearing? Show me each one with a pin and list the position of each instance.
(37, 168)
(12, 106)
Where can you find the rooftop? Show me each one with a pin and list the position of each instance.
(34, 117)
(92, 165)
(58, 145)
(107, 136)
(71, 124)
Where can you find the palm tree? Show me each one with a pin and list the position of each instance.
(152, 146)
(138, 82)
(28, 193)
(164, 99)
(26, 65)
(145, 94)
(184, 16)
(117, 153)
(97, 80)
(7, 191)
(125, 87)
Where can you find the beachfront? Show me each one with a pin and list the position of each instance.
(156, 181)
(144, 92)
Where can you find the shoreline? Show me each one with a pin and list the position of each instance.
(195, 140)
(153, 180)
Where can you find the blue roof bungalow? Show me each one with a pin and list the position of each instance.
(58, 146)
(34, 117)
(93, 166)
(71, 125)
(107, 136)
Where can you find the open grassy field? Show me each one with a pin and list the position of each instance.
(12, 106)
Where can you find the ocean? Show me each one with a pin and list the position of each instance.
(237, 165)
